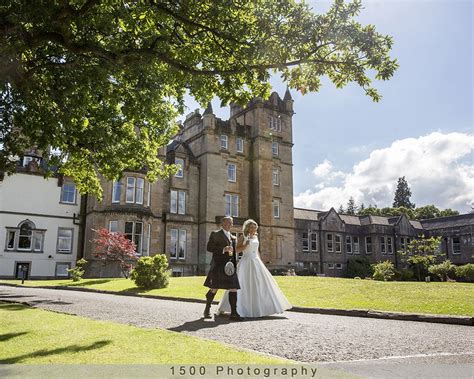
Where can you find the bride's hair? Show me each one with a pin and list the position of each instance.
(247, 224)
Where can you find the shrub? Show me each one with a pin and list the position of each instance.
(383, 271)
(404, 274)
(465, 272)
(151, 272)
(442, 270)
(77, 272)
(358, 266)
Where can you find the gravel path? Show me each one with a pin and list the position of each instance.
(302, 337)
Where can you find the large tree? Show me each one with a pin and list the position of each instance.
(97, 85)
(402, 195)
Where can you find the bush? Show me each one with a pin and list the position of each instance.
(151, 272)
(465, 272)
(77, 272)
(383, 271)
(358, 266)
(442, 270)
(404, 274)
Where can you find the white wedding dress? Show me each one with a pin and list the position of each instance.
(259, 294)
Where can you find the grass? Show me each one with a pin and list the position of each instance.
(414, 297)
(35, 336)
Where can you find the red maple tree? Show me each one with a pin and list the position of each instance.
(115, 247)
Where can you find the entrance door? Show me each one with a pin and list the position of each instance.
(20, 268)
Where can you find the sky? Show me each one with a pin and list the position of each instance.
(423, 128)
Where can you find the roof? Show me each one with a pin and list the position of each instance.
(307, 214)
(448, 222)
(416, 224)
(350, 219)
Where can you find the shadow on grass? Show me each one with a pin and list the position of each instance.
(88, 283)
(8, 336)
(62, 350)
(12, 306)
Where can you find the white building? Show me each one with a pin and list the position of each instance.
(39, 224)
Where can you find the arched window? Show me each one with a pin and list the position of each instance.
(26, 236)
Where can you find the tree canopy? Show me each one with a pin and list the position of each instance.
(402, 195)
(97, 85)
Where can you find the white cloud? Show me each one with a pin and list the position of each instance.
(439, 169)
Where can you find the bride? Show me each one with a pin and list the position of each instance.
(259, 294)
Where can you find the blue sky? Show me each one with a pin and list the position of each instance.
(346, 145)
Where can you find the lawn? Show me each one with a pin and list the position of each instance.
(415, 297)
(36, 336)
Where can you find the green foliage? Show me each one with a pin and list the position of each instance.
(77, 272)
(402, 195)
(442, 270)
(465, 272)
(151, 272)
(384, 271)
(425, 212)
(421, 253)
(404, 274)
(358, 267)
(351, 207)
(101, 83)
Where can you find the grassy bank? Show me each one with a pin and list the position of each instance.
(36, 336)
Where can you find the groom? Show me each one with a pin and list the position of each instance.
(222, 246)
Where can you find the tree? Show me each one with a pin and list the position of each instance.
(351, 207)
(422, 253)
(115, 247)
(341, 209)
(427, 211)
(402, 195)
(96, 86)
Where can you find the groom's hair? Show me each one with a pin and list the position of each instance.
(226, 218)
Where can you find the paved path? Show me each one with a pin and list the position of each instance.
(303, 337)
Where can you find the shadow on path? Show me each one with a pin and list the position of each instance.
(62, 350)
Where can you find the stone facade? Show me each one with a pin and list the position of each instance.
(240, 167)
(325, 241)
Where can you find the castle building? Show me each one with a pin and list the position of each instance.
(241, 167)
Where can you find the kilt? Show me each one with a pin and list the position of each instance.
(217, 278)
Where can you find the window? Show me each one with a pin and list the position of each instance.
(240, 145)
(338, 241)
(134, 232)
(148, 198)
(383, 248)
(355, 242)
(224, 141)
(276, 177)
(61, 269)
(274, 123)
(231, 172)
(348, 245)
(178, 244)
(456, 243)
(314, 241)
(68, 193)
(24, 238)
(146, 245)
(402, 243)
(305, 241)
(368, 245)
(329, 243)
(116, 192)
(331, 266)
(275, 149)
(139, 191)
(130, 198)
(276, 208)
(339, 266)
(232, 205)
(178, 202)
(64, 244)
(11, 234)
(113, 226)
(389, 245)
(25, 241)
(179, 162)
